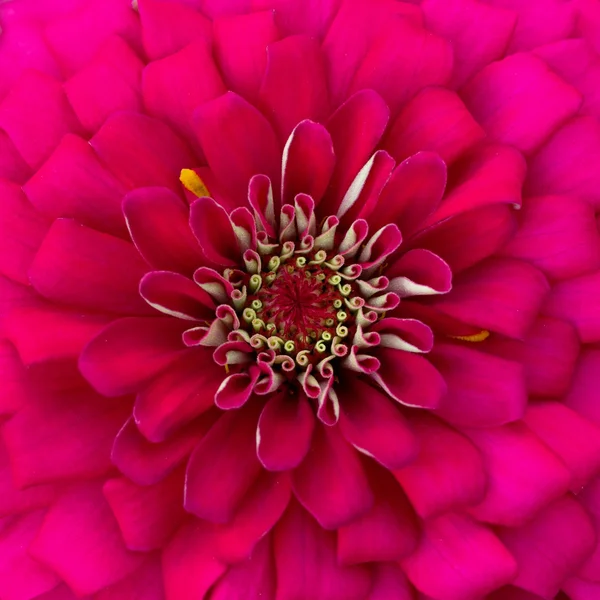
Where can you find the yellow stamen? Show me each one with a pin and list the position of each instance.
(484, 334)
(191, 181)
(226, 369)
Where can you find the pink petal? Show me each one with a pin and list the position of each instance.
(22, 577)
(81, 266)
(190, 567)
(511, 100)
(330, 482)
(264, 504)
(169, 26)
(294, 85)
(419, 273)
(308, 162)
(242, 58)
(582, 395)
(220, 473)
(371, 422)
(447, 473)
(214, 231)
(571, 300)
(12, 165)
(157, 220)
(468, 560)
(515, 495)
(147, 463)
(80, 540)
(483, 390)
(73, 183)
(355, 127)
(436, 120)
(461, 22)
(307, 565)
(408, 378)
(561, 166)
(145, 583)
(502, 295)
(412, 193)
(148, 515)
(15, 388)
(389, 581)
(177, 395)
(578, 589)
(284, 432)
(312, 17)
(51, 455)
(588, 498)
(558, 235)
(573, 438)
(254, 578)
(238, 143)
(399, 71)
(36, 114)
(172, 91)
(141, 151)
(549, 548)
(131, 351)
(22, 230)
(388, 532)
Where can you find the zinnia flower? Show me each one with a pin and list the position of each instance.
(300, 300)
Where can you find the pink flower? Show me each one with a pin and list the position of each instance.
(299, 300)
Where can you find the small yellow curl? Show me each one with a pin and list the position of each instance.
(484, 334)
(191, 181)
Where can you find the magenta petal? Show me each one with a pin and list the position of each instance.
(582, 395)
(214, 231)
(242, 58)
(238, 143)
(130, 351)
(81, 266)
(308, 162)
(141, 151)
(236, 389)
(189, 565)
(21, 576)
(558, 426)
(158, 221)
(398, 71)
(389, 531)
(558, 235)
(147, 463)
(419, 272)
(284, 432)
(253, 578)
(220, 473)
(51, 455)
(580, 589)
(36, 114)
(468, 560)
(12, 165)
(86, 562)
(294, 85)
(483, 390)
(515, 495)
(437, 120)
(145, 582)
(172, 91)
(502, 295)
(330, 482)
(261, 510)
(73, 183)
(570, 301)
(307, 565)
(169, 26)
(147, 515)
(371, 422)
(22, 230)
(447, 473)
(355, 127)
(561, 165)
(519, 101)
(412, 193)
(389, 581)
(551, 546)
(408, 378)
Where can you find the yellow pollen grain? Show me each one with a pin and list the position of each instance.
(484, 334)
(191, 181)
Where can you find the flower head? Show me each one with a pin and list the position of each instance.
(298, 300)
